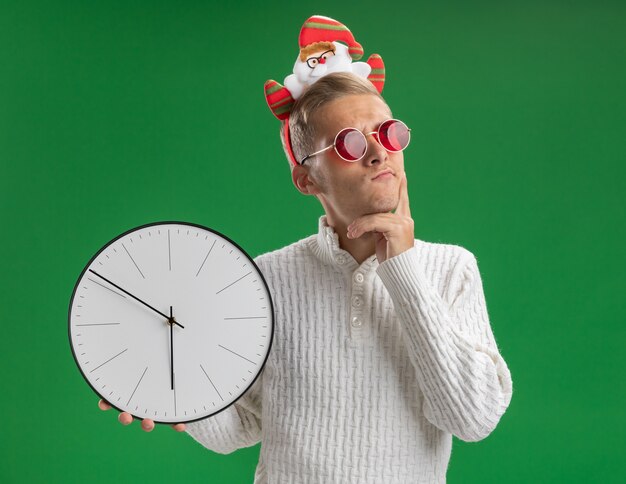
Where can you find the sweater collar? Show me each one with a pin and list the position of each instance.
(326, 247)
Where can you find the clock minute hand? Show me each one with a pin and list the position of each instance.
(142, 302)
(171, 319)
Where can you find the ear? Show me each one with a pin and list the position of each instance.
(304, 182)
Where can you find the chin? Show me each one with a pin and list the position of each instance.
(384, 204)
(386, 200)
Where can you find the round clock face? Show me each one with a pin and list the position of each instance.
(171, 321)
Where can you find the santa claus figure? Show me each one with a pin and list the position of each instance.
(326, 46)
(318, 59)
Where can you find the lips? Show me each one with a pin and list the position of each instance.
(383, 173)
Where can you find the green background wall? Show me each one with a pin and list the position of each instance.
(119, 113)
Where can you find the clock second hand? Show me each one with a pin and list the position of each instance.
(144, 303)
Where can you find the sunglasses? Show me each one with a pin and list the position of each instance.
(351, 143)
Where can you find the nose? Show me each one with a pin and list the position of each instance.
(322, 61)
(376, 153)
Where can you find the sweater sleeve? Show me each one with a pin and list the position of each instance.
(466, 383)
(235, 427)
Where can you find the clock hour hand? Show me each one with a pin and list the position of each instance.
(142, 302)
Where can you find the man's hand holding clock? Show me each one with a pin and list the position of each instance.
(147, 424)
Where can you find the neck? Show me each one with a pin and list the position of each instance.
(360, 248)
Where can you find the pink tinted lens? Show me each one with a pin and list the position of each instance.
(350, 144)
(394, 135)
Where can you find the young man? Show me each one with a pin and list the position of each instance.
(382, 348)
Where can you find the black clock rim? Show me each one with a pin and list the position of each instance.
(151, 224)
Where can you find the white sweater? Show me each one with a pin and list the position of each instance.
(372, 369)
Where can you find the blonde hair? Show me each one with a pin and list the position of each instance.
(301, 119)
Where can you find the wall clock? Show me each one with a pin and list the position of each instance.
(171, 321)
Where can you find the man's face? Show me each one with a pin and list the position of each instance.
(347, 190)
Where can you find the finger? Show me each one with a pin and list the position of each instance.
(125, 418)
(377, 222)
(403, 208)
(179, 427)
(103, 405)
(147, 424)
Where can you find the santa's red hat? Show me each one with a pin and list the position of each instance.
(324, 29)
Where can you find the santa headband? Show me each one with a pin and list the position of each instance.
(326, 46)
